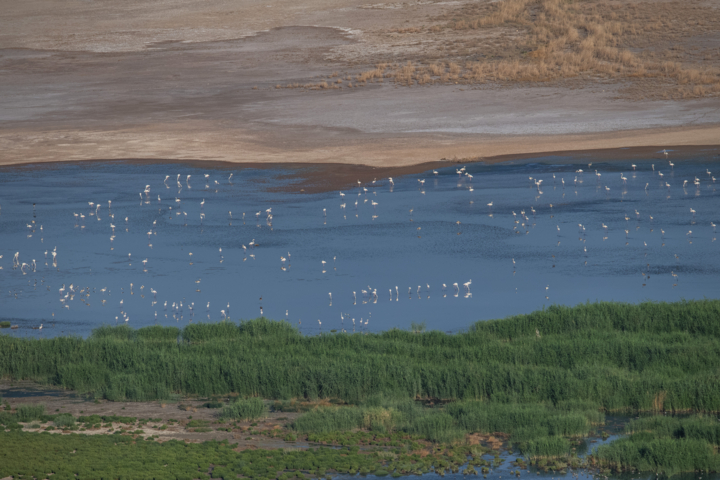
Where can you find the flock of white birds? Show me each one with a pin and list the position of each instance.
(523, 220)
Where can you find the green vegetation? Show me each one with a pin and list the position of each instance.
(665, 444)
(652, 356)
(242, 409)
(197, 423)
(525, 422)
(213, 403)
(28, 413)
(76, 456)
(94, 419)
(382, 417)
(64, 421)
(545, 447)
(5, 324)
(542, 380)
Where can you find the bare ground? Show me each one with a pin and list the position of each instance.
(251, 82)
(60, 401)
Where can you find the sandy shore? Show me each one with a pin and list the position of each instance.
(315, 177)
(375, 151)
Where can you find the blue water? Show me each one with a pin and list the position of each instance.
(410, 238)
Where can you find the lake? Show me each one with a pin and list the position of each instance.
(372, 257)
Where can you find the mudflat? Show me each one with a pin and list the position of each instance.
(381, 85)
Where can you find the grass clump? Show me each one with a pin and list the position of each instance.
(382, 418)
(664, 444)
(527, 421)
(545, 447)
(64, 421)
(93, 419)
(244, 409)
(28, 413)
(329, 419)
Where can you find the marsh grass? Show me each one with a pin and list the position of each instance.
(244, 409)
(28, 413)
(664, 444)
(453, 422)
(527, 421)
(545, 447)
(64, 421)
(698, 427)
(646, 357)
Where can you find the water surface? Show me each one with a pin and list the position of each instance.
(591, 238)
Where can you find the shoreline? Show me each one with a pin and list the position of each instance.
(329, 172)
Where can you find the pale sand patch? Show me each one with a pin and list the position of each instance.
(192, 142)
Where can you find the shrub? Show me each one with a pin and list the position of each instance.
(329, 419)
(28, 413)
(64, 421)
(244, 409)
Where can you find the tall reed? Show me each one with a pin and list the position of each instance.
(646, 357)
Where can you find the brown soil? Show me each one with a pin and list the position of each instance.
(282, 82)
(58, 401)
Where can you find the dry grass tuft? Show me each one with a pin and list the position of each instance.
(552, 40)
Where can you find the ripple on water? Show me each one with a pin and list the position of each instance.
(376, 247)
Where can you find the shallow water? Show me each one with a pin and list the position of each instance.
(410, 239)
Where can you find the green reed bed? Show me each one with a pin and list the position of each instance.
(665, 444)
(451, 423)
(651, 356)
(28, 413)
(244, 409)
(699, 427)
